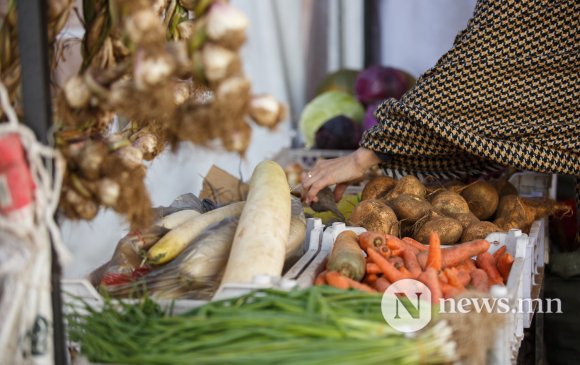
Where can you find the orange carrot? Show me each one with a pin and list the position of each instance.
(429, 278)
(418, 245)
(337, 280)
(467, 265)
(342, 282)
(406, 272)
(434, 253)
(454, 255)
(479, 280)
(390, 272)
(320, 279)
(395, 245)
(372, 268)
(443, 278)
(371, 278)
(371, 239)
(381, 284)
(486, 262)
(411, 263)
(500, 251)
(396, 261)
(385, 251)
(504, 265)
(450, 291)
(463, 277)
(359, 286)
(452, 278)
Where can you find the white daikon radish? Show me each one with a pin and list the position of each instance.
(175, 219)
(261, 238)
(175, 241)
(297, 230)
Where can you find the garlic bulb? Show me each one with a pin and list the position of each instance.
(120, 93)
(180, 57)
(131, 157)
(186, 29)
(90, 160)
(147, 144)
(159, 6)
(226, 25)
(108, 191)
(266, 110)
(233, 87)
(238, 140)
(181, 92)
(152, 71)
(144, 26)
(218, 62)
(77, 93)
(85, 209)
(233, 95)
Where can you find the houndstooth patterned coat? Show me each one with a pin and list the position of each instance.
(506, 94)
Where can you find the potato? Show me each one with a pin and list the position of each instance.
(448, 229)
(478, 230)
(375, 215)
(410, 208)
(506, 224)
(449, 203)
(451, 185)
(506, 188)
(378, 187)
(511, 208)
(408, 185)
(466, 219)
(482, 198)
(524, 211)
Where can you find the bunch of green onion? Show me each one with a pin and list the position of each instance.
(319, 325)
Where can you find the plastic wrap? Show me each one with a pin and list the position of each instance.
(196, 272)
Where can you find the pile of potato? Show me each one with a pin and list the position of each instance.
(457, 212)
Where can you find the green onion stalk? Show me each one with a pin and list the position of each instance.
(319, 325)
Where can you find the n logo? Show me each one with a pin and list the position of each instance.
(413, 310)
(406, 305)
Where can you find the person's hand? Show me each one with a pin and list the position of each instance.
(340, 171)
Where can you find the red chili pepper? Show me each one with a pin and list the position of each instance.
(110, 279)
(140, 271)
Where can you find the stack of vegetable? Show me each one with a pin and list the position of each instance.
(190, 253)
(455, 211)
(334, 118)
(312, 326)
(447, 272)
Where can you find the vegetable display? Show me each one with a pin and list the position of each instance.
(319, 325)
(189, 252)
(447, 272)
(455, 211)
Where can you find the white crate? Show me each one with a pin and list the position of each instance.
(81, 289)
(521, 283)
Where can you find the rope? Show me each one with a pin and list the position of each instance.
(47, 180)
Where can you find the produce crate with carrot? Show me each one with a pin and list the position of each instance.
(448, 270)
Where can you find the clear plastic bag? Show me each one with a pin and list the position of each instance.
(196, 272)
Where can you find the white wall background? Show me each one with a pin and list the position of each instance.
(415, 33)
